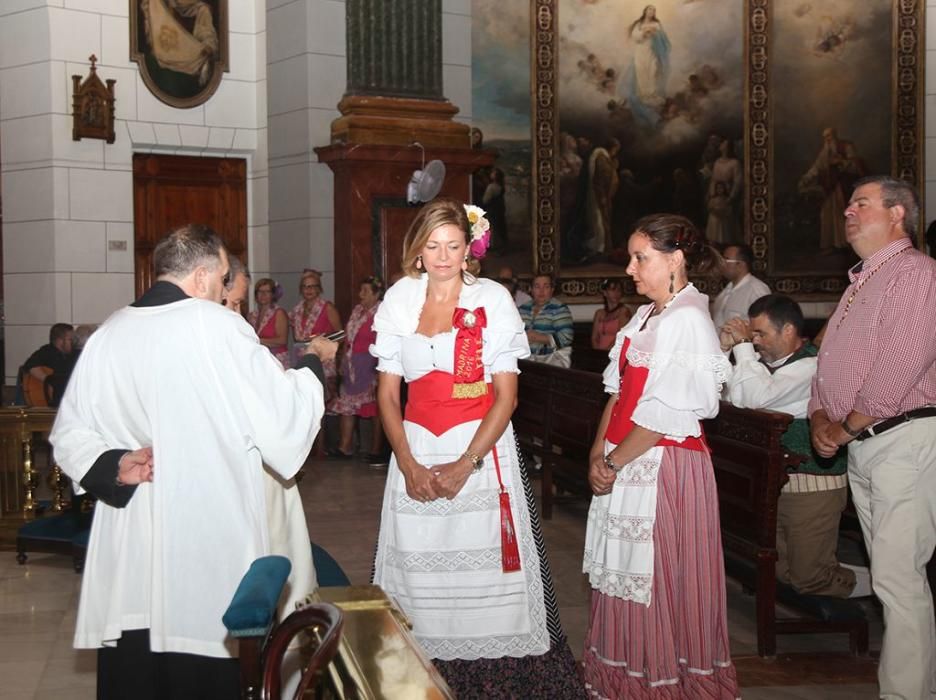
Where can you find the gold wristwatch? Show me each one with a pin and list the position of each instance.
(477, 463)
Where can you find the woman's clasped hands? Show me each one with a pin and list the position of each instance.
(600, 477)
(446, 480)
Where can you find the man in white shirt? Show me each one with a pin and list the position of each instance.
(507, 278)
(742, 290)
(170, 412)
(812, 501)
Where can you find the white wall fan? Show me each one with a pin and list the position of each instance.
(425, 183)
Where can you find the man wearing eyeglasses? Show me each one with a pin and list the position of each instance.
(742, 290)
(171, 410)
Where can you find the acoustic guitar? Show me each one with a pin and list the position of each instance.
(36, 392)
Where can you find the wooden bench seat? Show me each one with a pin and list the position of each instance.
(750, 468)
(557, 418)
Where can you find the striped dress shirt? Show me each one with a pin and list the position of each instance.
(878, 356)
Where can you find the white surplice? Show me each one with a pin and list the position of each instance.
(191, 379)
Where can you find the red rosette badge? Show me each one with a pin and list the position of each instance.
(469, 370)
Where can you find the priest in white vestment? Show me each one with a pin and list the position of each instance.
(171, 411)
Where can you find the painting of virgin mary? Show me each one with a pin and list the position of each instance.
(645, 88)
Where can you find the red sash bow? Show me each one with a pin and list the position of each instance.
(468, 370)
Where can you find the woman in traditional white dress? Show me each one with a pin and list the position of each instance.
(460, 548)
(653, 555)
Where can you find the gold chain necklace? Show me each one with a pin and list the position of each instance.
(862, 283)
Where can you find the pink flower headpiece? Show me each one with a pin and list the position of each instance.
(480, 231)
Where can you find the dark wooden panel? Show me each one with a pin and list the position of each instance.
(170, 191)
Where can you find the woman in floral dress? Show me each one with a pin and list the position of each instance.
(313, 315)
(269, 320)
(357, 394)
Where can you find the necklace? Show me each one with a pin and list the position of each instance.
(861, 284)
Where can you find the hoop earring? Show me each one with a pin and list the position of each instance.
(672, 278)
(419, 262)
(464, 265)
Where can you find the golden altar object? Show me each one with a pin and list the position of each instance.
(21, 429)
(378, 658)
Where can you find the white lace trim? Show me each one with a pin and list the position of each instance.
(530, 643)
(642, 472)
(716, 364)
(630, 528)
(619, 584)
(481, 500)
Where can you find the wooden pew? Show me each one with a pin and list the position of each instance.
(750, 468)
(556, 418)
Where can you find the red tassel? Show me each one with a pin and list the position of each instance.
(510, 553)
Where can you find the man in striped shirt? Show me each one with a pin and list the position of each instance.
(773, 370)
(548, 322)
(875, 390)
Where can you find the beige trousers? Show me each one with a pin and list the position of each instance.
(807, 537)
(893, 482)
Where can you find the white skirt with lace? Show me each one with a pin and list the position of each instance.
(441, 561)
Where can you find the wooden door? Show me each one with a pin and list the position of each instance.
(170, 191)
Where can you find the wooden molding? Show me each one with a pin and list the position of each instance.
(398, 121)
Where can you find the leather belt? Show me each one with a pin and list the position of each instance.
(884, 425)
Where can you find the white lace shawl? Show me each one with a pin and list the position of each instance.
(687, 366)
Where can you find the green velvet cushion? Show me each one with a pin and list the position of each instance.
(327, 571)
(62, 527)
(253, 606)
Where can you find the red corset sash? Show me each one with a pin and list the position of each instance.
(631, 389)
(430, 403)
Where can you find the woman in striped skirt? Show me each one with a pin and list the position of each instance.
(653, 555)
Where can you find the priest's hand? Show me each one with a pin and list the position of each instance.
(420, 483)
(321, 347)
(449, 478)
(135, 467)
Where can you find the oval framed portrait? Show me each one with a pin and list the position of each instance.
(181, 47)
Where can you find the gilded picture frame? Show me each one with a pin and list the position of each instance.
(181, 48)
(838, 43)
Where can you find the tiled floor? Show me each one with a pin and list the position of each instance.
(342, 499)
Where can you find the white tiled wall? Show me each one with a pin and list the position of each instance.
(64, 200)
(306, 74)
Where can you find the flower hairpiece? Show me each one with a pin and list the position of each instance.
(480, 231)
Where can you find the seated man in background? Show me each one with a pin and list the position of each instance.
(507, 278)
(50, 366)
(812, 501)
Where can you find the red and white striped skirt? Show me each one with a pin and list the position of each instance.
(677, 647)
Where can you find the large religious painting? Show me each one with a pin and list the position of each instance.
(753, 118)
(500, 70)
(836, 73)
(181, 47)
